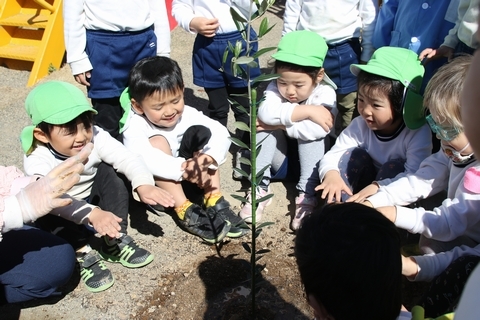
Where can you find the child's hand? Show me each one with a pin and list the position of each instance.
(364, 193)
(261, 126)
(432, 54)
(390, 212)
(83, 78)
(154, 195)
(323, 117)
(332, 186)
(206, 27)
(105, 222)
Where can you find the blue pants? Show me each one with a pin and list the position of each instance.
(358, 171)
(33, 265)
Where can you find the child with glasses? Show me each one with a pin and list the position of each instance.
(456, 222)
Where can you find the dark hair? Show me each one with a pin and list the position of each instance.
(154, 74)
(71, 127)
(349, 259)
(394, 89)
(312, 72)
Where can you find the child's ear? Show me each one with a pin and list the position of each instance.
(320, 75)
(136, 106)
(40, 135)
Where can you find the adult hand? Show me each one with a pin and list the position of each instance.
(42, 196)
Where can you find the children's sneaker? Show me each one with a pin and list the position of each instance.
(94, 273)
(125, 251)
(246, 212)
(209, 227)
(222, 209)
(303, 207)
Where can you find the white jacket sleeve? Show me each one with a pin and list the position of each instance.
(368, 13)
(430, 178)
(182, 11)
(162, 27)
(274, 110)
(75, 36)
(431, 266)
(291, 15)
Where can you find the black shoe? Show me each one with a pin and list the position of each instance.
(222, 209)
(125, 251)
(94, 273)
(206, 226)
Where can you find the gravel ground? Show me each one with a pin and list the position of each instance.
(172, 286)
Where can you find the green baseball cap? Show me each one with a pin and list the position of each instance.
(53, 102)
(303, 48)
(403, 65)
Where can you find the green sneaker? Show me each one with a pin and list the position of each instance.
(94, 273)
(125, 251)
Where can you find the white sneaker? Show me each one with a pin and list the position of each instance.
(303, 207)
(246, 212)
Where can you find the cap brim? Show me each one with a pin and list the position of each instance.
(26, 139)
(126, 104)
(373, 69)
(329, 81)
(413, 111)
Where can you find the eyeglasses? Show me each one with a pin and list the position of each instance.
(447, 134)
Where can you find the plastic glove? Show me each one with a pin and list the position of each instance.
(42, 196)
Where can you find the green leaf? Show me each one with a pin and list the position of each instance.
(258, 258)
(244, 60)
(238, 49)
(266, 77)
(242, 126)
(268, 196)
(252, 64)
(236, 16)
(225, 56)
(260, 173)
(257, 233)
(238, 142)
(245, 161)
(246, 247)
(243, 173)
(264, 224)
(262, 251)
(263, 27)
(263, 51)
(239, 198)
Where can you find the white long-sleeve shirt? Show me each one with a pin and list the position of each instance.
(111, 15)
(138, 131)
(276, 110)
(413, 146)
(105, 149)
(335, 20)
(185, 10)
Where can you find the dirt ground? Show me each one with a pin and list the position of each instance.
(188, 279)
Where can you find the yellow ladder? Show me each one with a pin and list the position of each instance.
(31, 36)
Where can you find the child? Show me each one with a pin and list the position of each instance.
(433, 20)
(299, 103)
(390, 139)
(61, 128)
(180, 145)
(23, 249)
(454, 168)
(104, 39)
(347, 27)
(212, 21)
(350, 264)
(461, 38)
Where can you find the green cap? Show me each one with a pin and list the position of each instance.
(403, 65)
(303, 48)
(53, 102)
(126, 104)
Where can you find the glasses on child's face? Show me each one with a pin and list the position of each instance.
(447, 134)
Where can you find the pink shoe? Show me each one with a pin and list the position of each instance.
(246, 212)
(303, 207)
